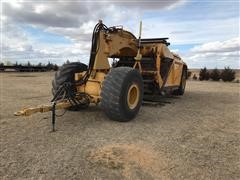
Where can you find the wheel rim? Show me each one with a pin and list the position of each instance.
(133, 96)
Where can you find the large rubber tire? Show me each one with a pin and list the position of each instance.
(180, 91)
(66, 74)
(118, 84)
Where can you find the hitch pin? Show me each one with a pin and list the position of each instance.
(53, 116)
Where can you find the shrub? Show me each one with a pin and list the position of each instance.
(204, 74)
(194, 77)
(189, 73)
(215, 75)
(55, 67)
(228, 74)
(237, 81)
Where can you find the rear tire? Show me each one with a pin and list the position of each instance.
(122, 93)
(180, 91)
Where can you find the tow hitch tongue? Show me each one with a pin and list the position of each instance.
(70, 99)
(45, 108)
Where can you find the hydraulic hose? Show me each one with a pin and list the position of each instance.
(94, 50)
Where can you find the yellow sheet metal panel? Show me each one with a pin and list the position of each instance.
(165, 52)
(99, 76)
(92, 88)
(101, 59)
(93, 85)
(119, 43)
(175, 74)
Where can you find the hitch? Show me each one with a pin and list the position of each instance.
(53, 116)
(70, 99)
(43, 108)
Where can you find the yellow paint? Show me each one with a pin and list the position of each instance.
(42, 108)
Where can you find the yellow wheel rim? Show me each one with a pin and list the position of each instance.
(133, 96)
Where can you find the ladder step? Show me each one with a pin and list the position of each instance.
(149, 72)
(148, 81)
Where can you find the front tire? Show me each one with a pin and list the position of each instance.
(122, 93)
(66, 75)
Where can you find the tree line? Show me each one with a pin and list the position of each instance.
(48, 66)
(227, 74)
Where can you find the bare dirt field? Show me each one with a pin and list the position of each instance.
(196, 136)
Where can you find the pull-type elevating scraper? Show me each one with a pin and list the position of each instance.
(141, 66)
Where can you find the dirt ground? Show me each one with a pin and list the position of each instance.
(196, 136)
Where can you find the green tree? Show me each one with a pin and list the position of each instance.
(67, 62)
(204, 74)
(55, 67)
(228, 74)
(215, 75)
(29, 64)
(49, 66)
(194, 77)
(189, 73)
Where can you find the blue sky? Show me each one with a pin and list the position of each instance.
(204, 33)
(41, 36)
